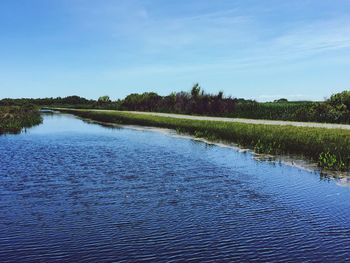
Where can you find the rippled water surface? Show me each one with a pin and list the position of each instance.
(79, 192)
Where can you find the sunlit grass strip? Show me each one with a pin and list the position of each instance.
(13, 119)
(329, 147)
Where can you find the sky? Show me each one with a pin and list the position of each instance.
(254, 49)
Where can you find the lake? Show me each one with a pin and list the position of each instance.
(79, 192)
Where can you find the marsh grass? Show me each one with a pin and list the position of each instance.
(14, 118)
(329, 147)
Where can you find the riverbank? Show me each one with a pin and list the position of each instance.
(241, 120)
(329, 147)
(14, 118)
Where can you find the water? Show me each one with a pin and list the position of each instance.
(78, 192)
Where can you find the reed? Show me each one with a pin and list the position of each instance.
(14, 118)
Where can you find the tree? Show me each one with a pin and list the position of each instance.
(220, 95)
(282, 100)
(195, 90)
(104, 99)
(340, 98)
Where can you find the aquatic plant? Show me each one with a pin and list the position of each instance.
(13, 119)
(330, 161)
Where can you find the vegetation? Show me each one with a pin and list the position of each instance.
(69, 102)
(13, 119)
(335, 110)
(287, 111)
(200, 103)
(104, 99)
(329, 147)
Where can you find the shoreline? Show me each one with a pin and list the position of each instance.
(330, 148)
(241, 120)
(295, 161)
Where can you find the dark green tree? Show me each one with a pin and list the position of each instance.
(196, 89)
(104, 99)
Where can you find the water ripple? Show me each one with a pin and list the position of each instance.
(77, 192)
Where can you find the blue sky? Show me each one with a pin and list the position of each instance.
(256, 49)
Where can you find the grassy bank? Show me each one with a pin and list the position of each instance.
(14, 118)
(329, 147)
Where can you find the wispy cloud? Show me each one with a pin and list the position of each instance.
(229, 34)
(194, 32)
(317, 36)
(300, 43)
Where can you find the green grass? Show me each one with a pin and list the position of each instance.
(329, 147)
(14, 118)
(287, 111)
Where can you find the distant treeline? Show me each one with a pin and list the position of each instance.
(336, 109)
(70, 101)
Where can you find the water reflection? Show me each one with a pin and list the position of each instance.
(345, 182)
(78, 192)
(102, 124)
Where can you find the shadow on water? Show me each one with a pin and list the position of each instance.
(110, 126)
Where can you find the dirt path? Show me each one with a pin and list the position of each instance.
(267, 122)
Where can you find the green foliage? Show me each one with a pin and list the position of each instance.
(334, 110)
(198, 102)
(104, 99)
(69, 102)
(281, 100)
(271, 139)
(14, 119)
(266, 148)
(196, 89)
(342, 98)
(330, 161)
(270, 110)
(148, 101)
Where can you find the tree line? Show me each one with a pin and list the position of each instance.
(336, 109)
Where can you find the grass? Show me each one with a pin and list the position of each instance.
(14, 118)
(287, 111)
(329, 147)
